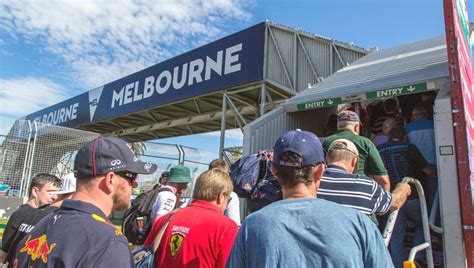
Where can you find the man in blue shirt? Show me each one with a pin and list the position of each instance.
(79, 234)
(360, 192)
(301, 230)
(420, 132)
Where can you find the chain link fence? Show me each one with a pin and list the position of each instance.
(165, 156)
(31, 148)
(14, 152)
(28, 148)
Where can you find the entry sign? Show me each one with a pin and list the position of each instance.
(391, 92)
(377, 94)
(319, 104)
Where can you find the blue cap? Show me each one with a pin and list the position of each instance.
(303, 143)
(108, 154)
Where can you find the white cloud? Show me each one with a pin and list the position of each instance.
(19, 97)
(235, 134)
(103, 40)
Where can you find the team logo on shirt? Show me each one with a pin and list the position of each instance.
(177, 237)
(38, 248)
(175, 243)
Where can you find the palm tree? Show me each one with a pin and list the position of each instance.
(139, 147)
(232, 153)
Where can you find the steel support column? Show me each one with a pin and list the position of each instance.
(263, 98)
(223, 123)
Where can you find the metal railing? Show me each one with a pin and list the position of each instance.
(387, 234)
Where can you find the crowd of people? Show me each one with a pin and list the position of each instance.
(332, 192)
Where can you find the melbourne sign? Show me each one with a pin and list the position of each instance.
(230, 61)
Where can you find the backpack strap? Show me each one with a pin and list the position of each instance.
(150, 200)
(157, 240)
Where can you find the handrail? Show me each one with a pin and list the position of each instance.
(387, 234)
(433, 213)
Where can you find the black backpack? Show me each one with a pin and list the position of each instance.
(245, 173)
(252, 178)
(140, 212)
(267, 188)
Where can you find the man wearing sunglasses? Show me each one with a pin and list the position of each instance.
(79, 233)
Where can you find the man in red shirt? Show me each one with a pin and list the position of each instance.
(198, 235)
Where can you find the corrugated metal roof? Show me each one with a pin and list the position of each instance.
(412, 63)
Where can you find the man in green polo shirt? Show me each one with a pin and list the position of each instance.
(370, 162)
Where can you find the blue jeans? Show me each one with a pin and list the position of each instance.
(409, 211)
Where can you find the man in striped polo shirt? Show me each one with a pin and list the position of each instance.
(357, 191)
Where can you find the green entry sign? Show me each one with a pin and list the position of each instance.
(377, 94)
(391, 92)
(319, 104)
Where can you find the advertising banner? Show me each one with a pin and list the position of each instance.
(227, 62)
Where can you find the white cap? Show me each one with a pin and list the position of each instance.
(344, 144)
(68, 184)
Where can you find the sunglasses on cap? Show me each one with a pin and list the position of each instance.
(132, 177)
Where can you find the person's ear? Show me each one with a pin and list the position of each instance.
(34, 192)
(354, 162)
(318, 173)
(109, 182)
(221, 199)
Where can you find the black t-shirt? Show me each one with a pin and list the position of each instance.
(401, 159)
(20, 223)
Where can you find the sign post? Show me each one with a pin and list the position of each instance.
(460, 70)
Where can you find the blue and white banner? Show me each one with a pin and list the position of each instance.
(230, 61)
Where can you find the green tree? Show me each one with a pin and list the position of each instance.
(139, 147)
(233, 153)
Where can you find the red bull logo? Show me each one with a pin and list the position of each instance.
(38, 248)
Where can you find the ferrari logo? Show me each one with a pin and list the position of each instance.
(175, 243)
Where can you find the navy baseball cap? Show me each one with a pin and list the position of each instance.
(108, 154)
(303, 143)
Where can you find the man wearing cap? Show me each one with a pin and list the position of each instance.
(370, 163)
(79, 234)
(68, 187)
(357, 191)
(198, 235)
(169, 195)
(302, 230)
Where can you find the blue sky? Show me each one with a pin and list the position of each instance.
(53, 50)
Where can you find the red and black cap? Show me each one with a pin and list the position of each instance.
(108, 154)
